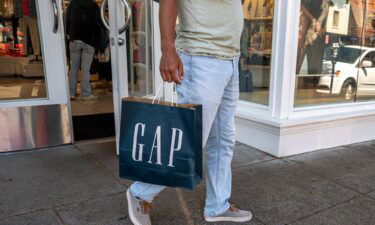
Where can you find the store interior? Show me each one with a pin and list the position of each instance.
(256, 51)
(335, 38)
(98, 114)
(329, 30)
(22, 73)
(21, 60)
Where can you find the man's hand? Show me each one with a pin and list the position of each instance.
(171, 67)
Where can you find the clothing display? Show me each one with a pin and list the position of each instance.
(15, 25)
(26, 11)
(6, 8)
(138, 10)
(245, 38)
(8, 27)
(24, 8)
(139, 40)
(256, 45)
(311, 39)
(253, 9)
(31, 24)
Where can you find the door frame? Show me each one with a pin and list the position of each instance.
(29, 122)
(119, 58)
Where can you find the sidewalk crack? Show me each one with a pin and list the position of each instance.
(101, 165)
(61, 220)
(322, 210)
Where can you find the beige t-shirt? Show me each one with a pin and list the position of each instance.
(210, 27)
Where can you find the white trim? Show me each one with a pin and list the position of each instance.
(285, 51)
(311, 116)
(322, 135)
(156, 45)
(298, 139)
(115, 18)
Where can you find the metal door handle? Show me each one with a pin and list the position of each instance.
(121, 41)
(55, 9)
(102, 10)
(127, 16)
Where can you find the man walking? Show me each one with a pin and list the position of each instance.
(82, 19)
(203, 61)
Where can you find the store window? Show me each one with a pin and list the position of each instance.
(336, 49)
(256, 50)
(140, 55)
(21, 60)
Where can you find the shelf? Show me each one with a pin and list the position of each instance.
(261, 19)
(140, 65)
(139, 33)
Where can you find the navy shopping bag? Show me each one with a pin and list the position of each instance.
(160, 143)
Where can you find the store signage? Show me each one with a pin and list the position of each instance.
(137, 151)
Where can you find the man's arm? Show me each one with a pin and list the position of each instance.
(171, 67)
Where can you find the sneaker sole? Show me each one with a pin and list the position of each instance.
(228, 219)
(131, 214)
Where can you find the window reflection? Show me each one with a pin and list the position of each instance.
(140, 56)
(335, 52)
(21, 62)
(256, 49)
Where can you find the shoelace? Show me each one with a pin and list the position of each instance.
(145, 207)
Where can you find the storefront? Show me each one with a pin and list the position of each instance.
(307, 73)
(313, 86)
(35, 106)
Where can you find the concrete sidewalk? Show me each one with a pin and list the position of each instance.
(79, 185)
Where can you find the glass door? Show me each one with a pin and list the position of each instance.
(34, 109)
(134, 35)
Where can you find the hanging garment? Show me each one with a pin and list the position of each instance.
(18, 9)
(267, 8)
(6, 8)
(260, 8)
(249, 9)
(32, 25)
(25, 8)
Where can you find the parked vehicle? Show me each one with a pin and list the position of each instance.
(354, 73)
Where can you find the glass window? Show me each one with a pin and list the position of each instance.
(140, 56)
(335, 52)
(21, 61)
(256, 50)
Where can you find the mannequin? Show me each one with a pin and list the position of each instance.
(249, 9)
(26, 11)
(253, 9)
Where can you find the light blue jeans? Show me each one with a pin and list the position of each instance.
(213, 83)
(81, 56)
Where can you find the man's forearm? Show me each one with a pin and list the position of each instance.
(168, 16)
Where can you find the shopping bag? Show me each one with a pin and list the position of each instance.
(160, 143)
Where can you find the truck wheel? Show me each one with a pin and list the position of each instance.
(349, 89)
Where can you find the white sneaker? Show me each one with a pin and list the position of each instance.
(233, 214)
(89, 98)
(139, 210)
